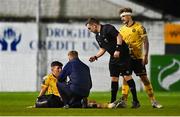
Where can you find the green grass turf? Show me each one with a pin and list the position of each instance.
(15, 103)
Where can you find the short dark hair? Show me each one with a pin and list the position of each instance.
(92, 20)
(73, 53)
(56, 63)
(125, 10)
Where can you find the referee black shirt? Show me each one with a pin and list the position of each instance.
(107, 39)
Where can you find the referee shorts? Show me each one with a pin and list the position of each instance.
(118, 68)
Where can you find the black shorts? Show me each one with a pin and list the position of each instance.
(118, 68)
(138, 68)
(49, 101)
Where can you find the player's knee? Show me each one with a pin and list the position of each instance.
(42, 104)
(124, 82)
(127, 78)
(145, 80)
(115, 79)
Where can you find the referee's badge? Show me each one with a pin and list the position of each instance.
(127, 72)
(105, 40)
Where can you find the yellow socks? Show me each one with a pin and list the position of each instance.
(148, 88)
(125, 90)
(149, 91)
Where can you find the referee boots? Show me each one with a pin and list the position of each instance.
(135, 104)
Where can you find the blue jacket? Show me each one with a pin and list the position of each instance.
(79, 77)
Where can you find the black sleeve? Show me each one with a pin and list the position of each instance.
(111, 30)
(100, 45)
(98, 39)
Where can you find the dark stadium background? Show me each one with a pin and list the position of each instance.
(167, 7)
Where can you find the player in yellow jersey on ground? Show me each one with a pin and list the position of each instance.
(49, 95)
(134, 34)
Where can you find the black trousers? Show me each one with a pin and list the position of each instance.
(69, 97)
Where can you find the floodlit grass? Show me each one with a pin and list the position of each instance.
(15, 103)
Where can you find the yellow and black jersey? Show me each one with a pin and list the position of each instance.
(49, 81)
(133, 36)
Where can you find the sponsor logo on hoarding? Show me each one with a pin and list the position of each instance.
(167, 76)
(9, 40)
(172, 33)
(64, 39)
(165, 72)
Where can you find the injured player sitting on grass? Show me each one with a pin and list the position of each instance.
(49, 96)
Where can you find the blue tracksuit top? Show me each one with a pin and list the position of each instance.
(79, 74)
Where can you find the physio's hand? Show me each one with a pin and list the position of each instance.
(92, 58)
(116, 54)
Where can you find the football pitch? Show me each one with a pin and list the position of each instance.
(16, 103)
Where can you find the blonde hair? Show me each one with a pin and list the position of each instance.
(73, 54)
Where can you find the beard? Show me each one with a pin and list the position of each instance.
(125, 22)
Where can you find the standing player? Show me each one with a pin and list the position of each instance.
(134, 34)
(110, 40)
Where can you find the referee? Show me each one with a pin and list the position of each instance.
(111, 41)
